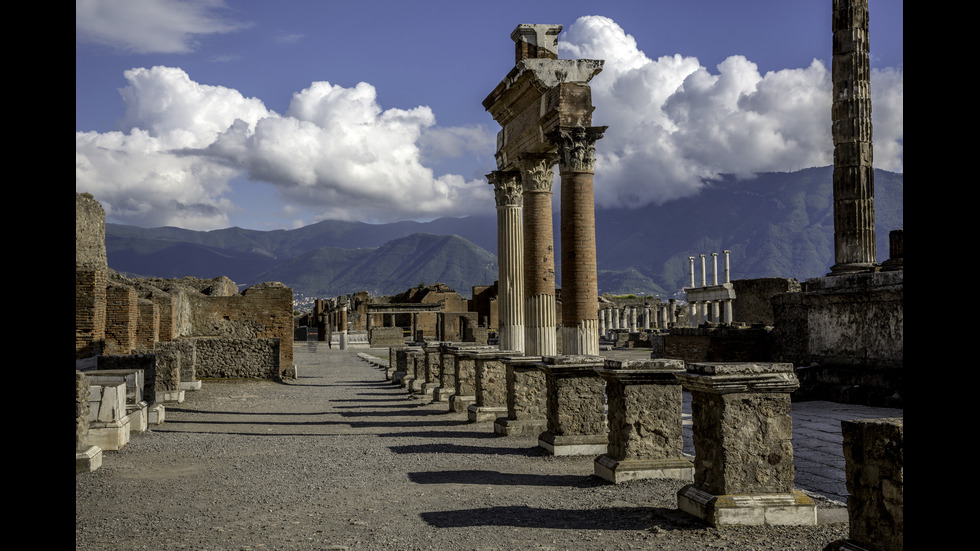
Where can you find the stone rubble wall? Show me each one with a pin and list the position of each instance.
(715, 344)
(235, 357)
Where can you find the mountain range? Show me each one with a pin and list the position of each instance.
(775, 225)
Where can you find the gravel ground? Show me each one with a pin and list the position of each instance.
(341, 459)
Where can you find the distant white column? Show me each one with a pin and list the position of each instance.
(727, 272)
(714, 272)
(691, 260)
(704, 275)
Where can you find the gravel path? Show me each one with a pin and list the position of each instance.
(342, 459)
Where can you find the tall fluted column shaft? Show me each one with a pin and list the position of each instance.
(854, 210)
(508, 194)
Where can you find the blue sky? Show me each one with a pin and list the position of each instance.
(269, 115)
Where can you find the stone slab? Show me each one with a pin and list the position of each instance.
(155, 414)
(88, 460)
(460, 404)
(580, 444)
(112, 436)
(479, 414)
(621, 471)
(790, 509)
(190, 385)
(138, 417)
(170, 396)
(519, 427)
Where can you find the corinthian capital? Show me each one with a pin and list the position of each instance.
(537, 171)
(507, 188)
(576, 146)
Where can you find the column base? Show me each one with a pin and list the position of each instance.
(519, 427)
(88, 459)
(398, 378)
(138, 417)
(427, 390)
(112, 435)
(459, 403)
(479, 414)
(579, 444)
(790, 509)
(442, 394)
(637, 469)
(155, 414)
(190, 385)
(164, 396)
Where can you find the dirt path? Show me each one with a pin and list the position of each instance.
(341, 459)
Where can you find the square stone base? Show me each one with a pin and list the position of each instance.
(398, 378)
(190, 385)
(155, 414)
(176, 396)
(88, 460)
(793, 509)
(460, 404)
(113, 435)
(579, 444)
(138, 419)
(519, 427)
(620, 471)
(479, 414)
(442, 394)
(427, 390)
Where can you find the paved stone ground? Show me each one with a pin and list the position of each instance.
(341, 459)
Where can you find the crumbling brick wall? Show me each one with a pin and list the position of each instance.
(147, 325)
(90, 311)
(122, 314)
(264, 311)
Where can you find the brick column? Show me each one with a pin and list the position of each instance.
(580, 291)
(537, 173)
(854, 208)
(508, 193)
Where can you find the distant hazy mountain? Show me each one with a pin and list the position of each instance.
(776, 224)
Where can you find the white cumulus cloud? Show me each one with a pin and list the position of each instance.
(674, 123)
(335, 151)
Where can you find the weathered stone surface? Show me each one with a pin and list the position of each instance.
(645, 420)
(875, 461)
(576, 395)
(81, 410)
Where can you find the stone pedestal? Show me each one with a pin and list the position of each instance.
(490, 385)
(742, 442)
(433, 368)
(576, 406)
(459, 375)
(527, 404)
(875, 467)
(645, 421)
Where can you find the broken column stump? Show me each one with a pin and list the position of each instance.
(490, 384)
(576, 406)
(527, 404)
(645, 421)
(875, 464)
(743, 463)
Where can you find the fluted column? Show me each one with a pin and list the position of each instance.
(854, 209)
(580, 290)
(540, 337)
(342, 326)
(508, 194)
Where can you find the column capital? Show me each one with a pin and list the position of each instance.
(537, 171)
(576, 146)
(507, 188)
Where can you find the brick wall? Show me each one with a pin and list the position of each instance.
(90, 311)
(753, 298)
(718, 344)
(122, 314)
(147, 325)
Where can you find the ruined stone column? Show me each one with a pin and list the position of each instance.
(728, 278)
(632, 311)
(508, 194)
(646, 318)
(615, 318)
(342, 326)
(645, 421)
(580, 291)
(672, 311)
(602, 324)
(854, 210)
(743, 450)
(541, 322)
(691, 263)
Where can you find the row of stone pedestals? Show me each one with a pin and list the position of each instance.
(628, 414)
